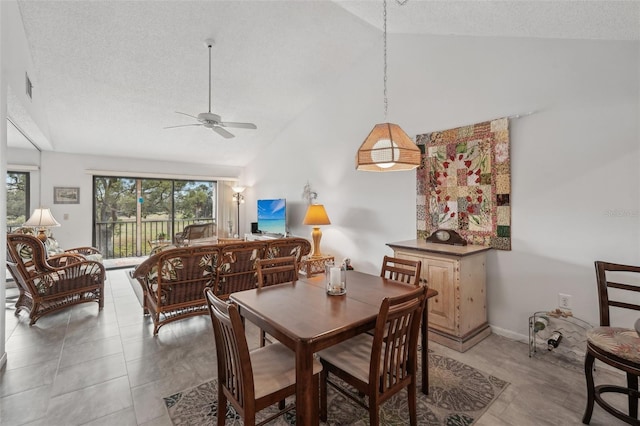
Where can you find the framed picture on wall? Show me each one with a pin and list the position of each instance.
(66, 195)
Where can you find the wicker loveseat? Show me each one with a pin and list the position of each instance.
(173, 279)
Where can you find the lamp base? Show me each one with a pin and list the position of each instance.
(316, 235)
(41, 235)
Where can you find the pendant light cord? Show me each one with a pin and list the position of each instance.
(384, 28)
(209, 78)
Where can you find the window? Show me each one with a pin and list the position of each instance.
(17, 199)
(132, 215)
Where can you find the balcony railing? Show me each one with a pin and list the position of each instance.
(120, 239)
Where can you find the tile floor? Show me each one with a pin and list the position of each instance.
(78, 367)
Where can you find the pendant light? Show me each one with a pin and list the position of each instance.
(387, 148)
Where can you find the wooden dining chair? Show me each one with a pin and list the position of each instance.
(403, 270)
(617, 347)
(250, 380)
(273, 271)
(408, 271)
(381, 365)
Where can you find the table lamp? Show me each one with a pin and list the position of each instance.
(316, 215)
(41, 219)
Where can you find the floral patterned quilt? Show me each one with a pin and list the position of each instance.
(464, 183)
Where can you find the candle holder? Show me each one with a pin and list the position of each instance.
(336, 276)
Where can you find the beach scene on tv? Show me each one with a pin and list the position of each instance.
(272, 216)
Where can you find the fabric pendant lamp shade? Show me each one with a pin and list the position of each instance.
(387, 148)
(42, 219)
(316, 215)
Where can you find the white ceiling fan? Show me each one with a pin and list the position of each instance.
(210, 120)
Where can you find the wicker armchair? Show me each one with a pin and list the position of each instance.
(50, 284)
(197, 232)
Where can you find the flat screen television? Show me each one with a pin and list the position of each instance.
(272, 216)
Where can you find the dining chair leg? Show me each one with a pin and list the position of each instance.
(316, 395)
(222, 406)
(588, 372)
(424, 356)
(374, 412)
(632, 383)
(411, 393)
(324, 375)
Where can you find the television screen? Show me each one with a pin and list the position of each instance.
(272, 216)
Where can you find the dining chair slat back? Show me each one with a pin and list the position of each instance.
(614, 345)
(403, 270)
(246, 378)
(389, 357)
(277, 270)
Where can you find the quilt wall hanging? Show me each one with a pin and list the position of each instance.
(464, 183)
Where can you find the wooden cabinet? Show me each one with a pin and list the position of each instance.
(458, 314)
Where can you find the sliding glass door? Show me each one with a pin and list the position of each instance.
(133, 215)
(17, 199)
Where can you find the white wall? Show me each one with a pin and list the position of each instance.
(575, 181)
(71, 170)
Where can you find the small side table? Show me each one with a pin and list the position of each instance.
(314, 265)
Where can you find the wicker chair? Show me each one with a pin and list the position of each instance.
(204, 232)
(50, 284)
(379, 366)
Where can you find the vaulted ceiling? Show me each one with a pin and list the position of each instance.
(113, 74)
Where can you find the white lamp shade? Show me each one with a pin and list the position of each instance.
(42, 218)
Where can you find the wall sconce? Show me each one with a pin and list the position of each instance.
(239, 199)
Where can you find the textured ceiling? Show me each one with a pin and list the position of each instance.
(112, 74)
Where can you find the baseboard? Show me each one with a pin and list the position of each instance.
(509, 334)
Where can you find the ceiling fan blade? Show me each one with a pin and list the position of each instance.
(188, 115)
(239, 125)
(222, 132)
(183, 125)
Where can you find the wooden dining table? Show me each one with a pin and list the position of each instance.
(306, 319)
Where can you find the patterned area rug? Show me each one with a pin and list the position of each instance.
(458, 395)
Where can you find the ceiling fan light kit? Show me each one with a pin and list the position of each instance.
(210, 120)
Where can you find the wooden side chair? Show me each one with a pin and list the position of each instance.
(274, 271)
(277, 270)
(408, 271)
(403, 270)
(250, 381)
(381, 365)
(617, 347)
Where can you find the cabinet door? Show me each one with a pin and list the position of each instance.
(440, 276)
